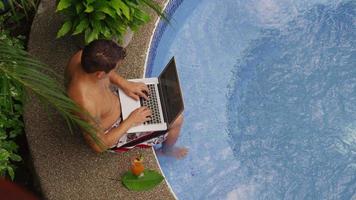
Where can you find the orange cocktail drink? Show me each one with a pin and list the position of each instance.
(137, 167)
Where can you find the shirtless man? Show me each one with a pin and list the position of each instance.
(91, 73)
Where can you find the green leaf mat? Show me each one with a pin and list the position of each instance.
(148, 181)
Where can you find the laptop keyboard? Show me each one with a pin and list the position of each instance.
(152, 104)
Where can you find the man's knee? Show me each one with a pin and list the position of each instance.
(179, 121)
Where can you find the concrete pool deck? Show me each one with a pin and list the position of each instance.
(64, 165)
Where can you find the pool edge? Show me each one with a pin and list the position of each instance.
(159, 27)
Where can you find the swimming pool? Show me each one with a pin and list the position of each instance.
(270, 95)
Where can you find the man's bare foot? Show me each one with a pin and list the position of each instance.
(176, 152)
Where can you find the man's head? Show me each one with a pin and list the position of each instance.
(101, 56)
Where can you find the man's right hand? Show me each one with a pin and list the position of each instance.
(140, 115)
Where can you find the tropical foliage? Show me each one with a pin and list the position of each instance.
(11, 110)
(104, 19)
(18, 66)
(18, 71)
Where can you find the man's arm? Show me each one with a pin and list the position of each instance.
(132, 89)
(109, 139)
(116, 79)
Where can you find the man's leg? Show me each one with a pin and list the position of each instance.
(168, 147)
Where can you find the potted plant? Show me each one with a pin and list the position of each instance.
(104, 19)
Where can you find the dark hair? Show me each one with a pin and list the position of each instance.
(101, 55)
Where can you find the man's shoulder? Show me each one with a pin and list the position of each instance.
(74, 62)
(73, 66)
(76, 58)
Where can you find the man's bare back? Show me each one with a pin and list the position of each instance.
(86, 93)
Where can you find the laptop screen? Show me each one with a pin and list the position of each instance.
(171, 92)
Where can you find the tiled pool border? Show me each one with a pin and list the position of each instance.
(159, 29)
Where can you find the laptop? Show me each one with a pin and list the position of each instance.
(165, 100)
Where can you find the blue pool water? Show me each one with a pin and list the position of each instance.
(270, 95)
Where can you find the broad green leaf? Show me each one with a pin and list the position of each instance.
(115, 4)
(148, 181)
(10, 146)
(15, 157)
(2, 6)
(90, 35)
(81, 26)
(76, 22)
(134, 28)
(79, 7)
(2, 134)
(15, 133)
(132, 4)
(108, 11)
(4, 154)
(18, 107)
(65, 29)
(118, 26)
(142, 15)
(96, 23)
(121, 28)
(106, 32)
(63, 4)
(11, 172)
(96, 32)
(118, 4)
(89, 9)
(99, 16)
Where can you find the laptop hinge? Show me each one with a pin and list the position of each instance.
(163, 102)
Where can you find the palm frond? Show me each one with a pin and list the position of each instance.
(18, 67)
(24, 5)
(154, 6)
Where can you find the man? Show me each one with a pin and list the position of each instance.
(91, 75)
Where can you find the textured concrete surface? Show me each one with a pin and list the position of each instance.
(64, 165)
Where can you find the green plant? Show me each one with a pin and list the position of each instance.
(104, 19)
(19, 71)
(2, 5)
(11, 126)
(11, 109)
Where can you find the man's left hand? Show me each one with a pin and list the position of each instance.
(136, 90)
